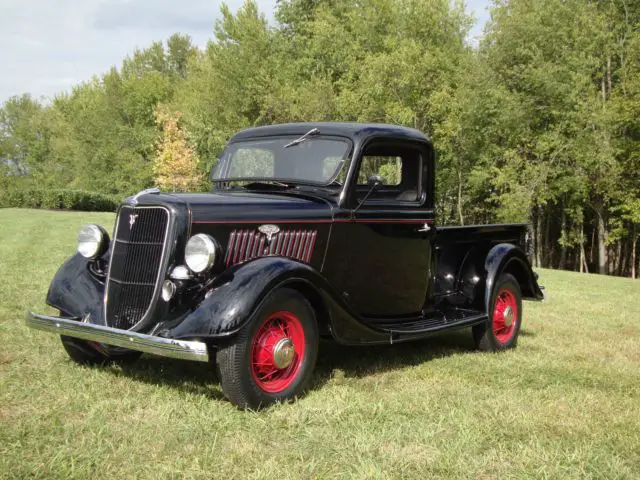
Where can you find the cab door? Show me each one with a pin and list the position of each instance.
(388, 240)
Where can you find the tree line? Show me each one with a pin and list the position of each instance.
(539, 122)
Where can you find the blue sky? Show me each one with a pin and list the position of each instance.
(50, 45)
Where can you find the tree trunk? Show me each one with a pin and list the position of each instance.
(538, 238)
(547, 259)
(460, 196)
(602, 244)
(634, 241)
(624, 257)
(609, 73)
(618, 261)
(583, 258)
(593, 244)
(563, 238)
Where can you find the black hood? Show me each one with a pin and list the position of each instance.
(239, 206)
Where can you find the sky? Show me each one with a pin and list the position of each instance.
(50, 45)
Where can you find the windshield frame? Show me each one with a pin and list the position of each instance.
(345, 163)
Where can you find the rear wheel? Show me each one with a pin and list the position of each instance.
(502, 327)
(272, 358)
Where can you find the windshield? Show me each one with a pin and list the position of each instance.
(313, 160)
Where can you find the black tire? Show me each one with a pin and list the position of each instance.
(238, 374)
(495, 334)
(84, 352)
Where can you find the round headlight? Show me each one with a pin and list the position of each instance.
(200, 253)
(92, 241)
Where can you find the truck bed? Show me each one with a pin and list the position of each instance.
(455, 244)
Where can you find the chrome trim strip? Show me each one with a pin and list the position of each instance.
(164, 347)
(162, 271)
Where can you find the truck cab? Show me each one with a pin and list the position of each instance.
(310, 230)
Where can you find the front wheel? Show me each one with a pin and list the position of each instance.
(272, 358)
(84, 352)
(502, 327)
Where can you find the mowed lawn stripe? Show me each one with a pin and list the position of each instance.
(565, 403)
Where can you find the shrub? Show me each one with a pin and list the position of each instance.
(60, 199)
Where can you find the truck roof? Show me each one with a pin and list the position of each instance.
(355, 131)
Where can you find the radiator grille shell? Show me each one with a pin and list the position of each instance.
(245, 245)
(137, 265)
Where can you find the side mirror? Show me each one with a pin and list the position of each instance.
(375, 181)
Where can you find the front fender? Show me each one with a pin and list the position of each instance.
(508, 258)
(238, 293)
(74, 291)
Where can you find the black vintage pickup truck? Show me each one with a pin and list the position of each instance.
(311, 230)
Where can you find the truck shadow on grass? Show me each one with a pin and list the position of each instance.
(333, 359)
(359, 362)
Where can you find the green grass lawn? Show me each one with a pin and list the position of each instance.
(565, 403)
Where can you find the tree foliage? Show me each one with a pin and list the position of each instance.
(175, 166)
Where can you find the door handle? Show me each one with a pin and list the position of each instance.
(425, 228)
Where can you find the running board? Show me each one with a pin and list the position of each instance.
(454, 318)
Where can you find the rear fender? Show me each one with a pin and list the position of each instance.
(238, 293)
(508, 258)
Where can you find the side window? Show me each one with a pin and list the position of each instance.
(387, 167)
(400, 168)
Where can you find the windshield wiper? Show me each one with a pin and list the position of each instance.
(267, 184)
(298, 141)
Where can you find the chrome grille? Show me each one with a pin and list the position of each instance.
(246, 245)
(136, 264)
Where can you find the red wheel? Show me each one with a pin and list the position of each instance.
(272, 358)
(505, 316)
(503, 323)
(277, 351)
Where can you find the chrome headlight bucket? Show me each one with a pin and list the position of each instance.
(93, 241)
(201, 253)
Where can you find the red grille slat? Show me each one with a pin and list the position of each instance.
(246, 250)
(280, 239)
(245, 245)
(243, 240)
(290, 240)
(251, 244)
(232, 241)
(301, 244)
(310, 246)
(292, 244)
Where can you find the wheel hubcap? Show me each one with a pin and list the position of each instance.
(283, 353)
(508, 316)
(277, 352)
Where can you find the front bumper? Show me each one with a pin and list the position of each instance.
(165, 347)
